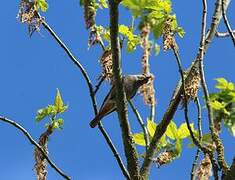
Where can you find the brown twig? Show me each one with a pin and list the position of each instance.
(199, 126)
(92, 95)
(227, 23)
(33, 142)
(99, 84)
(141, 122)
(201, 57)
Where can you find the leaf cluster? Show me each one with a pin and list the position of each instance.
(42, 4)
(51, 112)
(155, 13)
(223, 103)
(171, 141)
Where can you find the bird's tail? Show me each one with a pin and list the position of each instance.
(96, 120)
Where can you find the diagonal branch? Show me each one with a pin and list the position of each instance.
(227, 23)
(141, 122)
(92, 95)
(175, 100)
(33, 142)
(121, 101)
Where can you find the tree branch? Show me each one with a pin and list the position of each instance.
(97, 87)
(194, 164)
(92, 95)
(227, 23)
(199, 126)
(114, 151)
(121, 102)
(231, 172)
(224, 34)
(141, 122)
(175, 100)
(33, 142)
(215, 137)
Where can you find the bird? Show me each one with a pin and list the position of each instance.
(131, 85)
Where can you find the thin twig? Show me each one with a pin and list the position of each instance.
(99, 84)
(195, 164)
(199, 117)
(33, 142)
(152, 112)
(92, 95)
(201, 57)
(72, 57)
(141, 122)
(114, 151)
(227, 23)
(199, 126)
(224, 34)
(214, 134)
(195, 140)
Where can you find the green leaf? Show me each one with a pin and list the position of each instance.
(44, 112)
(43, 5)
(55, 125)
(132, 40)
(151, 126)
(206, 140)
(178, 147)
(41, 114)
(232, 94)
(58, 123)
(230, 124)
(221, 83)
(139, 139)
(183, 131)
(158, 28)
(171, 131)
(217, 105)
(103, 3)
(180, 31)
(59, 105)
(162, 142)
(134, 6)
(230, 86)
(156, 49)
(232, 130)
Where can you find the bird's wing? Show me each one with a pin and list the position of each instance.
(109, 96)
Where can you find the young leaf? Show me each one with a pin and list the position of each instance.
(217, 105)
(180, 31)
(178, 147)
(44, 112)
(139, 139)
(171, 131)
(156, 49)
(134, 6)
(151, 126)
(221, 83)
(43, 5)
(57, 123)
(41, 114)
(59, 105)
(183, 131)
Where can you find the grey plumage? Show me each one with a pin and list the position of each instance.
(131, 86)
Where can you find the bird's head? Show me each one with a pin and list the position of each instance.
(142, 79)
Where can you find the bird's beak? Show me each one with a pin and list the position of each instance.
(143, 79)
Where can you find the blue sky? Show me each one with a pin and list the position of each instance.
(32, 69)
